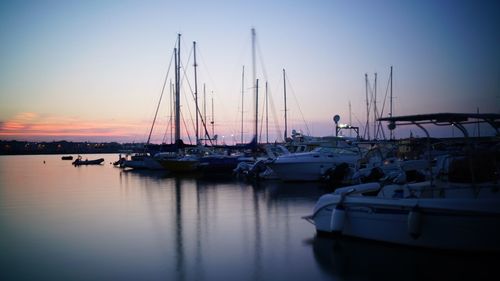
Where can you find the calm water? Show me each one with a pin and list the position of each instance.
(59, 222)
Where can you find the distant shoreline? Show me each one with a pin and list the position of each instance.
(14, 147)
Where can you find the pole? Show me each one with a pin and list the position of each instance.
(177, 52)
(391, 113)
(267, 117)
(196, 92)
(172, 98)
(205, 111)
(256, 107)
(350, 119)
(242, 98)
(255, 81)
(284, 95)
(375, 135)
(213, 121)
(367, 126)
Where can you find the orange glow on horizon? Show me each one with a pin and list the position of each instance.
(32, 126)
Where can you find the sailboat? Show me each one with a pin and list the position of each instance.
(186, 161)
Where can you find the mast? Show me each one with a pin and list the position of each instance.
(267, 117)
(256, 106)
(256, 82)
(177, 52)
(284, 94)
(375, 135)
(390, 105)
(367, 126)
(213, 121)
(242, 97)
(205, 111)
(196, 92)
(350, 119)
(171, 111)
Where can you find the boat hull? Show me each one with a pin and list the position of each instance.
(301, 171)
(88, 162)
(179, 165)
(462, 224)
(218, 164)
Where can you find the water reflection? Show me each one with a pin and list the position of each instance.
(354, 259)
(104, 223)
(242, 219)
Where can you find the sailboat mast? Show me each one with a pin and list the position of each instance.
(390, 113)
(213, 121)
(242, 98)
(177, 52)
(171, 110)
(256, 106)
(205, 110)
(196, 92)
(367, 126)
(267, 116)
(375, 135)
(284, 95)
(350, 119)
(255, 81)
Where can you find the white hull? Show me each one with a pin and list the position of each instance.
(311, 166)
(301, 171)
(456, 224)
(147, 163)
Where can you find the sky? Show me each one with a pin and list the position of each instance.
(95, 70)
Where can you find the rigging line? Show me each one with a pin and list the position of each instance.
(169, 120)
(262, 121)
(200, 115)
(383, 107)
(166, 131)
(369, 109)
(159, 101)
(357, 119)
(204, 67)
(275, 116)
(169, 124)
(385, 97)
(297, 102)
(190, 89)
(186, 129)
(273, 108)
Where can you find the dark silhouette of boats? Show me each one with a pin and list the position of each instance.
(79, 161)
(67, 157)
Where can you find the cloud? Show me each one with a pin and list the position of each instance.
(33, 126)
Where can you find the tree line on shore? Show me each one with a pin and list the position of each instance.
(13, 147)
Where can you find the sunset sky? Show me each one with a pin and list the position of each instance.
(94, 70)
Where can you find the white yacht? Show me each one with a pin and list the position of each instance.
(458, 209)
(311, 166)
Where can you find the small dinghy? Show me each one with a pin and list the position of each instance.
(79, 161)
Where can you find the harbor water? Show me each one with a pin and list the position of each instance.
(99, 222)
